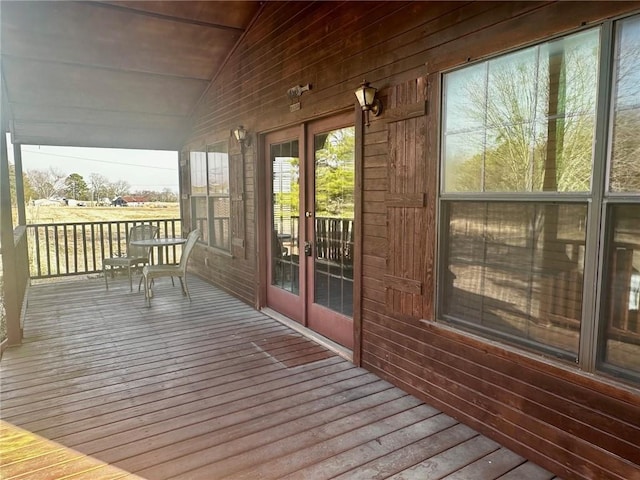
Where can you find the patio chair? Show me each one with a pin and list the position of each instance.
(151, 272)
(135, 255)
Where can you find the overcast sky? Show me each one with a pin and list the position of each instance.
(142, 169)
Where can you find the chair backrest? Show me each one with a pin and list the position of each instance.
(140, 232)
(188, 247)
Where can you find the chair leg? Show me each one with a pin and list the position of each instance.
(130, 280)
(147, 293)
(185, 286)
(104, 273)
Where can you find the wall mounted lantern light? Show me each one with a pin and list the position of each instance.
(366, 95)
(241, 136)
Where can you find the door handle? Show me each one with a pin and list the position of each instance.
(308, 249)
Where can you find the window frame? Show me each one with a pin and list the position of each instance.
(198, 195)
(209, 236)
(592, 333)
(225, 244)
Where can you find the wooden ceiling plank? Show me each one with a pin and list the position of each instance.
(121, 74)
(231, 13)
(86, 35)
(122, 6)
(73, 86)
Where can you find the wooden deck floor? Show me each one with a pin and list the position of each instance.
(104, 387)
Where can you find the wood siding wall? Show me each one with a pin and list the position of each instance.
(576, 425)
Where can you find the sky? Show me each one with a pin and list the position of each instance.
(153, 170)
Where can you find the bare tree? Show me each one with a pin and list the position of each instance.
(46, 183)
(168, 195)
(527, 121)
(625, 168)
(118, 188)
(98, 184)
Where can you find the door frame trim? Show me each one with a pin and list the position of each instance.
(261, 218)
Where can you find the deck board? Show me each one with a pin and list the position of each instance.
(104, 387)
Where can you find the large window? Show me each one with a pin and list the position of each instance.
(210, 200)
(619, 339)
(527, 195)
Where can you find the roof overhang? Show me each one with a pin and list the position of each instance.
(120, 74)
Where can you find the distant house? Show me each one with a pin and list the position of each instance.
(128, 201)
(47, 202)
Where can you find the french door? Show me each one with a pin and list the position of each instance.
(310, 223)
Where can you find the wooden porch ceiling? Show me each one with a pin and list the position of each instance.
(104, 387)
(121, 74)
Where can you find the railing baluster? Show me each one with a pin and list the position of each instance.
(101, 244)
(119, 238)
(93, 247)
(46, 231)
(56, 248)
(66, 248)
(75, 248)
(38, 260)
(84, 246)
(173, 234)
(110, 240)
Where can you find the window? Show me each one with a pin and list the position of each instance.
(219, 200)
(619, 339)
(522, 204)
(210, 202)
(198, 168)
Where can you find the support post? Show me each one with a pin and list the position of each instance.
(12, 301)
(17, 157)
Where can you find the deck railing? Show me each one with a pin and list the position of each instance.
(64, 249)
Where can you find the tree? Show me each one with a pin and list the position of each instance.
(76, 187)
(12, 183)
(168, 195)
(46, 183)
(335, 174)
(118, 188)
(527, 121)
(625, 148)
(98, 184)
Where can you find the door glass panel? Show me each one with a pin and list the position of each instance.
(334, 207)
(285, 208)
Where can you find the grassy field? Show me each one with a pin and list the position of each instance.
(64, 214)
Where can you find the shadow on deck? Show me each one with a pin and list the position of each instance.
(104, 386)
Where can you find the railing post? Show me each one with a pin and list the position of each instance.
(20, 200)
(11, 289)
